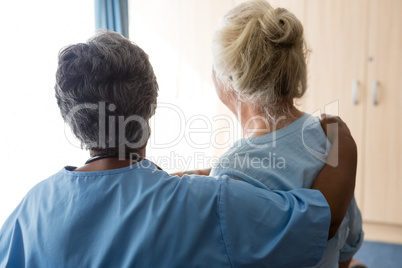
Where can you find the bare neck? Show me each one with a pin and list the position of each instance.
(255, 122)
(110, 163)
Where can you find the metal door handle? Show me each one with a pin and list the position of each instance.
(355, 87)
(374, 92)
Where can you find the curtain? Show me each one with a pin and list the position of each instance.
(112, 15)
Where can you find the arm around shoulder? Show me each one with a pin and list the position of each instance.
(337, 179)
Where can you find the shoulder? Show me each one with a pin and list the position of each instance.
(311, 128)
(13, 233)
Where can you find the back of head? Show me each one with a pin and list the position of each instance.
(106, 91)
(261, 51)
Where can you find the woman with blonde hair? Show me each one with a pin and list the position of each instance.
(259, 71)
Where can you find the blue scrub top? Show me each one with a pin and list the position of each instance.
(139, 216)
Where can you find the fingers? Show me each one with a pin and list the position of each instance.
(329, 119)
(180, 174)
(333, 126)
(204, 172)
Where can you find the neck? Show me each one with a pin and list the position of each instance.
(255, 122)
(111, 161)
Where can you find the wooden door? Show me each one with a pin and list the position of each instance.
(337, 35)
(383, 147)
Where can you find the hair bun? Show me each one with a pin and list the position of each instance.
(263, 50)
(282, 27)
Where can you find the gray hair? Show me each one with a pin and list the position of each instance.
(106, 90)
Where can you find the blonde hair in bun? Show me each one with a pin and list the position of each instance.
(262, 51)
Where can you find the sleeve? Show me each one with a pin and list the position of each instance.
(262, 228)
(355, 236)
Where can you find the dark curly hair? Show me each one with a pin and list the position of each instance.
(106, 90)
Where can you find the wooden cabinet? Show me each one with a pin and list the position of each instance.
(356, 67)
(336, 32)
(383, 125)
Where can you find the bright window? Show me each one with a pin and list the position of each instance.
(33, 142)
(191, 127)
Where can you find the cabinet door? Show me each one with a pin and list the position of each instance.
(383, 147)
(337, 34)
